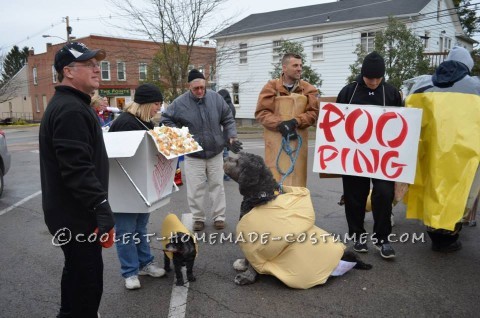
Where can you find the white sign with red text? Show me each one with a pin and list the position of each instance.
(369, 141)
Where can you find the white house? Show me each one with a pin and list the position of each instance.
(16, 91)
(330, 33)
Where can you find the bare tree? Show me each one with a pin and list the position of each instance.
(176, 26)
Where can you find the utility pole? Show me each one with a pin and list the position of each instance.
(69, 28)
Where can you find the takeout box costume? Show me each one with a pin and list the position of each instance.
(448, 157)
(172, 225)
(297, 264)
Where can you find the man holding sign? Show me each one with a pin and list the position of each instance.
(370, 88)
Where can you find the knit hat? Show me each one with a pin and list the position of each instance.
(75, 52)
(147, 93)
(194, 74)
(459, 54)
(373, 66)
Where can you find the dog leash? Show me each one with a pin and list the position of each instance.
(292, 154)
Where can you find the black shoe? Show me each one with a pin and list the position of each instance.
(386, 250)
(455, 246)
(360, 247)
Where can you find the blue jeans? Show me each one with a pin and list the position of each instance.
(133, 248)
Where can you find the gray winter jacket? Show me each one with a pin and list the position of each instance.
(204, 117)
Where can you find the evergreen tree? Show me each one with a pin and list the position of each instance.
(402, 51)
(308, 74)
(468, 16)
(13, 62)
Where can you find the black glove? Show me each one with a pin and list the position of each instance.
(104, 216)
(235, 146)
(287, 129)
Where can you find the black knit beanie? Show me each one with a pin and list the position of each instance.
(194, 74)
(147, 93)
(373, 66)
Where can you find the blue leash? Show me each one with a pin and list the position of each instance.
(292, 154)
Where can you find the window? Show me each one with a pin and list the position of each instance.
(201, 69)
(121, 75)
(190, 67)
(142, 71)
(317, 53)
(445, 43)
(243, 53)
(235, 93)
(212, 74)
(277, 51)
(54, 75)
(37, 104)
(105, 69)
(367, 41)
(35, 77)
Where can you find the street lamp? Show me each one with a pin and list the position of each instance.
(53, 36)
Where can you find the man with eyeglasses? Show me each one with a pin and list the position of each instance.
(205, 113)
(74, 179)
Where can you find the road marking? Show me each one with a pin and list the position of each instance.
(10, 208)
(178, 300)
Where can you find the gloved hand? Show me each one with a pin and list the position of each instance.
(235, 145)
(104, 216)
(287, 128)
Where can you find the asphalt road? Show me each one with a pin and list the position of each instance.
(418, 283)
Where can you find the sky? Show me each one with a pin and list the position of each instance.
(25, 21)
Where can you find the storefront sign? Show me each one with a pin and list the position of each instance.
(114, 92)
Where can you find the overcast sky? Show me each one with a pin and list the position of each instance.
(23, 22)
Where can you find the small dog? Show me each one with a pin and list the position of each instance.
(179, 246)
(258, 187)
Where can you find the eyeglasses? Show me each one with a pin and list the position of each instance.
(91, 65)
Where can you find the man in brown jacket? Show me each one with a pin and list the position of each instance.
(285, 105)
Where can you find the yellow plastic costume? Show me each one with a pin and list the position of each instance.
(170, 226)
(297, 252)
(448, 156)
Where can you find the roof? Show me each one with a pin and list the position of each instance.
(320, 14)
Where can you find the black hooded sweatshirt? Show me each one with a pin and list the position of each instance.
(358, 93)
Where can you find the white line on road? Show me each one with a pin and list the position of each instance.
(178, 301)
(10, 208)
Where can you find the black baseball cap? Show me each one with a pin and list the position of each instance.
(76, 52)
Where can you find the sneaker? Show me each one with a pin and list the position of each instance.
(152, 270)
(455, 246)
(386, 250)
(360, 247)
(219, 225)
(198, 226)
(132, 282)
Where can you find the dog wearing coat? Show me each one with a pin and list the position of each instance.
(261, 195)
(180, 247)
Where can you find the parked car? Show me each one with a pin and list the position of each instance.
(4, 159)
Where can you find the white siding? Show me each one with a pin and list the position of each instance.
(339, 44)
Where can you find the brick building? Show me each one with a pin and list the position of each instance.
(124, 68)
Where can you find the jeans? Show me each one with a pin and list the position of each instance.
(82, 280)
(133, 249)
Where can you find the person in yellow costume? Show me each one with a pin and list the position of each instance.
(449, 148)
(286, 107)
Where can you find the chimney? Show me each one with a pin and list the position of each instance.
(49, 45)
(31, 52)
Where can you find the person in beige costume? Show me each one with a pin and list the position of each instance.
(286, 107)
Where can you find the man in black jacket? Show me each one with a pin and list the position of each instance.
(74, 178)
(370, 89)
